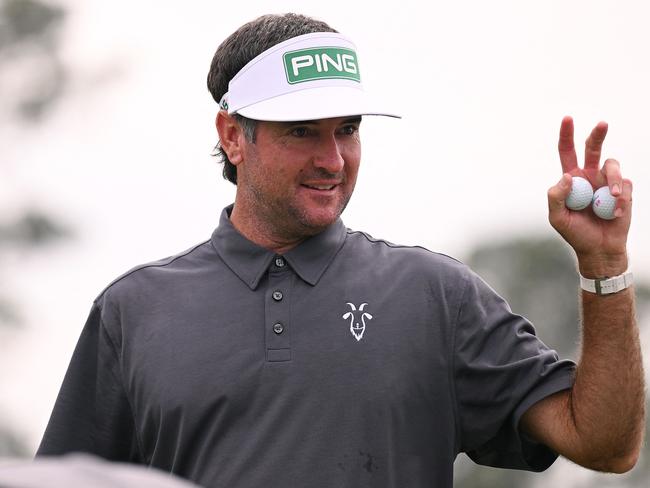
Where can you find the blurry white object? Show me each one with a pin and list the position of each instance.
(83, 470)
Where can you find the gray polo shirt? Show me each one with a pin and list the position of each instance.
(346, 362)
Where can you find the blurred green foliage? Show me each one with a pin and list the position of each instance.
(10, 446)
(538, 279)
(32, 229)
(27, 20)
(32, 79)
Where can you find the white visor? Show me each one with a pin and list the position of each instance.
(313, 76)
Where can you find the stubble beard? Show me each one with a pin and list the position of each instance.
(288, 220)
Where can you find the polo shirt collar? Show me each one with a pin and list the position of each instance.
(309, 259)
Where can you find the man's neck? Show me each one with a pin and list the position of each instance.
(262, 234)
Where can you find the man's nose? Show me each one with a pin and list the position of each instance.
(328, 154)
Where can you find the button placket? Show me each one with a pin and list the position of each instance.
(277, 318)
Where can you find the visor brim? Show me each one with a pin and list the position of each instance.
(317, 103)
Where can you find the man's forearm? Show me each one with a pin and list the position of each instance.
(607, 400)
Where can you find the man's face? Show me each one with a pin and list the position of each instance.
(298, 177)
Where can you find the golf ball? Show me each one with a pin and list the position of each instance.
(581, 194)
(604, 203)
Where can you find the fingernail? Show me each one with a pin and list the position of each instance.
(616, 190)
(618, 212)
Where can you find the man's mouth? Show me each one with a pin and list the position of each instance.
(319, 187)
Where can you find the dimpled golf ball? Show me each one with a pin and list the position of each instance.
(604, 203)
(581, 194)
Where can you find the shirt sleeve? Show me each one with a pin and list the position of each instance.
(501, 369)
(92, 412)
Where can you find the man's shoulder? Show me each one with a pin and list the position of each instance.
(364, 246)
(156, 273)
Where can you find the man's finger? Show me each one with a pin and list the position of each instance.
(594, 146)
(612, 173)
(624, 201)
(566, 147)
(558, 194)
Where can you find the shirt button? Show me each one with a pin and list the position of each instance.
(279, 262)
(278, 328)
(277, 295)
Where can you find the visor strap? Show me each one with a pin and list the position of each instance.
(223, 103)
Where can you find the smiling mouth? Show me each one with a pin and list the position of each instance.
(319, 187)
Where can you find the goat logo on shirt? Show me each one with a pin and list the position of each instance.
(357, 320)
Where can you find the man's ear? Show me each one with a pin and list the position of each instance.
(231, 136)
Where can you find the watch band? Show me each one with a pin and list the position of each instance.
(606, 286)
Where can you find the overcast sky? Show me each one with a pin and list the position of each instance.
(482, 87)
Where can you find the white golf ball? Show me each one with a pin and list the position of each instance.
(604, 203)
(581, 194)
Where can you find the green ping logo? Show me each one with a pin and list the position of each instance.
(321, 63)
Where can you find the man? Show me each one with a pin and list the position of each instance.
(288, 350)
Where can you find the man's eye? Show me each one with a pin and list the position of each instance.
(349, 129)
(299, 131)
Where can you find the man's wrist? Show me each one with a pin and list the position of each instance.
(603, 266)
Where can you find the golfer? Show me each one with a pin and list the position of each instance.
(288, 350)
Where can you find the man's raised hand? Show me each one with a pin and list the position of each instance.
(600, 245)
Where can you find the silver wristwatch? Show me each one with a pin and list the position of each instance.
(606, 286)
